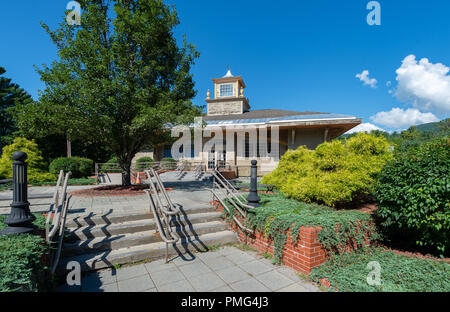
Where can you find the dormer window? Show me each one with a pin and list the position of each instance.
(226, 89)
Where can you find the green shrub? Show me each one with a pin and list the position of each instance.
(413, 194)
(63, 163)
(335, 174)
(168, 163)
(80, 167)
(21, 267)
(113, 160)
(85, 167)
(36, 164)
(399, 273)
(339, 227)
(143, 162)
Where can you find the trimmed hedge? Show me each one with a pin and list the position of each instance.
(21, 266)
(335, 174)
(80, 167)
(168, 163)
(414, 196)
(142, 163)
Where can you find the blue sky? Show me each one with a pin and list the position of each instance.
(295, 55)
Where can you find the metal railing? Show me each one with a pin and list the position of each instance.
(198, 170)
(162, 212)
(54, 227)
(224, 192)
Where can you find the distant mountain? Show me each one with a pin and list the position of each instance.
(433, 126)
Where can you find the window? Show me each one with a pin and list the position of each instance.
(226, 89)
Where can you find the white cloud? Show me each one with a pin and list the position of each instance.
(425, 84)
(364, 77)
(364, 127)
(397, 118)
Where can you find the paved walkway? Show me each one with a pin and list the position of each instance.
(227, 269)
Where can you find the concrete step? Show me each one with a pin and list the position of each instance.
(140, 238)
(106, 230)
(92, 220)
(109, 258)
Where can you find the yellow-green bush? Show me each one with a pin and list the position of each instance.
(36, 164)
(335, 174)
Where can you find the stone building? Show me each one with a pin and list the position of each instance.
(228, 108)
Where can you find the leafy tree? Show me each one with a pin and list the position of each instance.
(10, 95)
(120, 79)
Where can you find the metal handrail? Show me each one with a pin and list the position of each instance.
(180, 169)
(198, 170)
(61, 235)
(224, 205)
(58, 208)
(230, 189)
(162, 213)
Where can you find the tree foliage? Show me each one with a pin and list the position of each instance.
(119, 81)
(10, 95)
(413, 194)
(336, 173)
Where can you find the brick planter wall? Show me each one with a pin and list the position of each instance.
(302, 255)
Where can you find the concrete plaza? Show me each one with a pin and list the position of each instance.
(227, 269)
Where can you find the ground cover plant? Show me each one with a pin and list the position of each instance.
(335, 174)
(21, 260)
(399, 273)
(339, 227)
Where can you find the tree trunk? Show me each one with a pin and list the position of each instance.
(126, 173)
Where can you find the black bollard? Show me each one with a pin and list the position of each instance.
(253, 198)
(20, 220)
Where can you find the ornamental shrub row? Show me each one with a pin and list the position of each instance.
(143, 162)
(335, 174)
(80, 167)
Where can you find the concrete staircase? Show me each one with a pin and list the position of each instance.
(102, 241)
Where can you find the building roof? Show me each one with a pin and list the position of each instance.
(260, 114)
(274, 116)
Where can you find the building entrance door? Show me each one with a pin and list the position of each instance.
(211, 158)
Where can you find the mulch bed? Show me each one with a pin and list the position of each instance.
(114, 190)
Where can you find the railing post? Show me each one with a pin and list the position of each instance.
(253, 198)
(20, 220)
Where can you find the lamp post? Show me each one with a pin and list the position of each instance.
(20, 220)
(253, 198)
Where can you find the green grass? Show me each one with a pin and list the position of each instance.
(81, 181)
(399, 273)
(4, 187)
